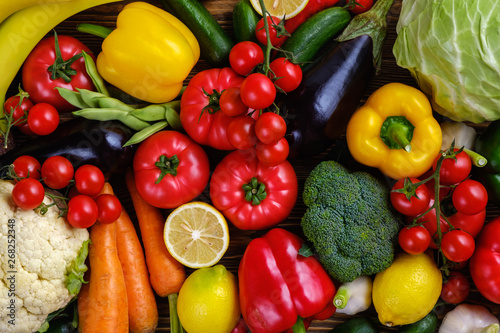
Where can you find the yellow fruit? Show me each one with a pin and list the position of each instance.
(280, 8)
(408, 290)
(208, 301)
(196, 234)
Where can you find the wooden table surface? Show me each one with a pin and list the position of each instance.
(222, 11)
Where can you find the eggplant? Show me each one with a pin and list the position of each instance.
(82, 141)
(317, 112)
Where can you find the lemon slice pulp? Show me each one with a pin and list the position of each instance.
(196, 234)
(280, 8)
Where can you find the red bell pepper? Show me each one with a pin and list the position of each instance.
(279, 287)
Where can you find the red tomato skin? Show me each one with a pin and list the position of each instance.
(257, 91)
(109, 208)
(192, 172)
(209, 129)
(457, 245)
(20, 110)
(414, 206)
(414, 240)
(456, 289)
(274, 153)
(241, 132)
(270, 127)
(289, 74)
(82, 211)
(245, 56)
(89, 180)
(261, 34)
(236, 170)
(36, 77)
(231, 104)
(454, 171)
(43, 119)
(57, 172)
(28, 193)
(27, 166)
(470, 197)
(366, 5)
(473, 224)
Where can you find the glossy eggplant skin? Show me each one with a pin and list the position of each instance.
(82, 141)
(317, 112)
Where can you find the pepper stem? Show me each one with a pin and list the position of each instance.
(299, 326)
(167, 166)
(94, 29)
(397, 132)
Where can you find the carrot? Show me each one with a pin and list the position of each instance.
(83, 305)
(142, 308)
(166, 274)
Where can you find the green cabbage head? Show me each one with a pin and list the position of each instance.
(452, 49)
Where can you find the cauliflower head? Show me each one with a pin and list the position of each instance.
(36, 252)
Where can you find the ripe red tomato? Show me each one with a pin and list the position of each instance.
(43, 119)
(257, 91)
(19, 106)
(109, 208)
(414, 240)
(28, 193)
(241, 132)
(470, 197)
(456, 288)
(245, 56)
(457, 245)
(289, 74)
(231, 104)
(82, 211)
(44, 70)
(417, 202)
(472, 224)
(89, 180)
(275, 36)
(270, 127)
(453, 170)
(273, 154)
(57, 172)
(27, 166)
(361, 6)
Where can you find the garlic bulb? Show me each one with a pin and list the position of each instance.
(354, 297)
(469, 318)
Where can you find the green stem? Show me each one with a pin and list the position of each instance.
(341, 297)
(94, 29)
(477, 159)
(167, 166)
(299, 326)
(175, 324)
(255, 191)
(269, 46)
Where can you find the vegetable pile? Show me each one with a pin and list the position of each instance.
(175, 148)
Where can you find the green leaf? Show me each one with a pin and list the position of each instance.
(76, 272)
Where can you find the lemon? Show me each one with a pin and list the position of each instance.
(208, 301)
(280, 8)
(408, 290)
(196, 234)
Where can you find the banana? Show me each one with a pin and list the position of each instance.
(8, 7)
(21, 31)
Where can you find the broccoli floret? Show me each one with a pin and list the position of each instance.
(349, 221)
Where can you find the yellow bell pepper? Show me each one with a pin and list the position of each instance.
(149, 54)
(395, 132)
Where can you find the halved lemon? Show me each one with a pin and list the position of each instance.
(196, 234)
(280, 8)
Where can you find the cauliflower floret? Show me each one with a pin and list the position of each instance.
(35, 254)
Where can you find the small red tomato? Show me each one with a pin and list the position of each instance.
(43, 119)
(231, 104)
(457, 245)
(272, 154)
(275, 36)
(89, 180)
(82, 211)
(456, 288)
(257, 91)
(470, 197)
(414, 240)
(416, 203)
(28, 193)
(361, 6)
(472, 224)
(270, 127)
(57, 172)
(245, 56)
(27, 166)
(19, 106)
(289, 74)
(109, 208)
(454, 170)
(241, 132)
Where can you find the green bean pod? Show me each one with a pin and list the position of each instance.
(92, 71)
(173, 119)
(73, 97)
(112, 114)
(146, 132)
(153, 112)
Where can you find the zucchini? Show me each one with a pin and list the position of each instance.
(312, 35)
(356, 325)
(215, 43)
(245, 20)
(428, 324)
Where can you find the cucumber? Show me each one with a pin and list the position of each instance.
(245, 20)
(356, 325)
(312, 35)
(215, 43)
(428, 324)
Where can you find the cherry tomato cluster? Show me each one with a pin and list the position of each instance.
(85, 206)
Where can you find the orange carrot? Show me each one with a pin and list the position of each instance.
(142, 308)
(166, 274)
(83, 304)
(107, 295)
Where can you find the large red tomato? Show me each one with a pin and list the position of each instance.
(170, 169)
(50, 65)
(200, 114)
(250, 194)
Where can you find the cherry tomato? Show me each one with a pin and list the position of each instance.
(89, 180)
(241, 132)
(289, 74)
(57, 172)
(231, 104)
(270, 127)
(274, 153)
(273, 23)
(28, 193)
(361, 6)
(245, 56)
(19, 105)
(457, 245)
(418, 201)
(27, 166)
(82, 211)
(470, 197)
(454, 171)
(414, 240)
(456, 288)
(43, 119)
(109, 208)
(257, 91)
(473, 224)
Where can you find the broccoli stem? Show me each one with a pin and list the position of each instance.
(341, 297)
